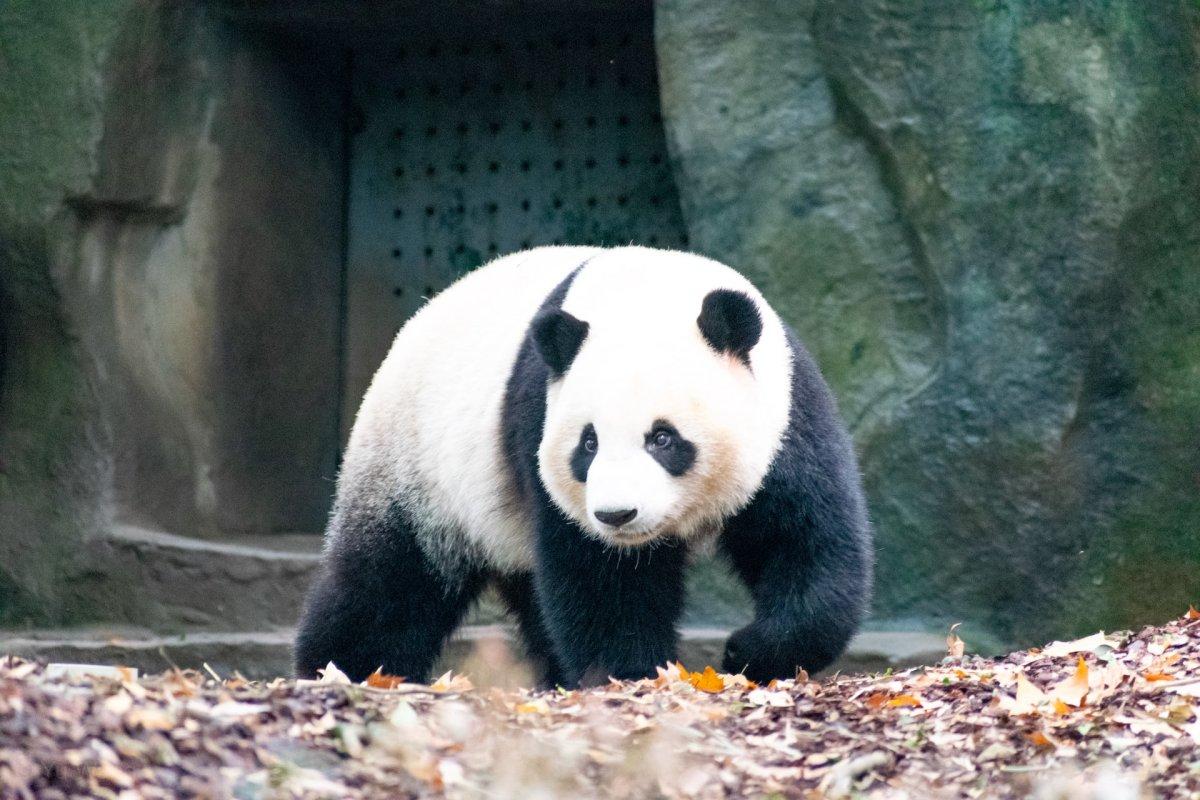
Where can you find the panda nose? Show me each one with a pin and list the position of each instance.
(616, 518)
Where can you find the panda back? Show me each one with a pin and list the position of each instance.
(428, 432)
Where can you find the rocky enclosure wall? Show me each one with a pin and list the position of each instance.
(170, 267)
(982, 218)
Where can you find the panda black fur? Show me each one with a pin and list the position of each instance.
(633, 377)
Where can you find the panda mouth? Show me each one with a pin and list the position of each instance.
(630, 538)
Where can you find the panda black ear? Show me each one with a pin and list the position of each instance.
(558, 337)
(730, 323)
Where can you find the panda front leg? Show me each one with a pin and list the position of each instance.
(610, 611)
(520, 596)
(803, 548)
(379, 602)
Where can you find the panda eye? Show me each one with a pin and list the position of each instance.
(589, 443)
(661, 439)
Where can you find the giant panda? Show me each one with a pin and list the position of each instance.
(571, 425)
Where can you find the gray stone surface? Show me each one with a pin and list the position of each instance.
(267, 654)
(186, 586)
(175, 584)
(53, 459)
(980, 215)
(211, 234)
(170, 268)
(982, 218)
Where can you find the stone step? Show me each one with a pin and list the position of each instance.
(485, 652)
(170, 584)
(233, 602)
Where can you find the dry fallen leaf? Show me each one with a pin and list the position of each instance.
(954, 645)
(739, 681)
(112, 775)
(1029, 697)
(331, 674)
(1072, 690)
(707, 681)
(1040, 739)
(904, 701)
(1109, 678)
(674, 672)
(1088, 644)
(1192, 613)
(378, 680)
(535, 706)
(996, 751)
(449, 682)
(870, 736)
(876, 701)
(232, 708)
(766, 697)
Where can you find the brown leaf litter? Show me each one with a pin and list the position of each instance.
(1106, 716)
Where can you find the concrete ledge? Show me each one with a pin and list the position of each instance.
(301, 547)
(267, 654)
(162, 582)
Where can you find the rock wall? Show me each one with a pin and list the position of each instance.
(981, 216)
(170, 267)
(53, 454)
(212, 230)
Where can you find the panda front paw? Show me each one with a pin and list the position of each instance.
(774, 648)
(761, 654)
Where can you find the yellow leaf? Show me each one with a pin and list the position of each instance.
(1060, 707)
(903, 701)
(1157, 676)
(1192, 613)
(877, 701)
(1040, 739)
(707, 681)
(537, 706)
(1072, 690)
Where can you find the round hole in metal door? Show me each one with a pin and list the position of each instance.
(492, 142)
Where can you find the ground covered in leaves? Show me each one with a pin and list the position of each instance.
(1114, 716)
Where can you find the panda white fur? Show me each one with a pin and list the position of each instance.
(569, 424)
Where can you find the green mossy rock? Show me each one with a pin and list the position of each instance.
(983, 219)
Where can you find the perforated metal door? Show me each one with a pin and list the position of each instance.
(489, 143)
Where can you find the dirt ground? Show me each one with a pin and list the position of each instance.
(1114, 716)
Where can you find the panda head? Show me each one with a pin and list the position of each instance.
(655, 423)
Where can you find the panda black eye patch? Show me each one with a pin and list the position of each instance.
(666, 446)
(585, 452)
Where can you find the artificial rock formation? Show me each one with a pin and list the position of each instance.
(982, 217)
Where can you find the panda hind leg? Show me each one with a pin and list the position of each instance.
(518, 594)
(379, 602)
